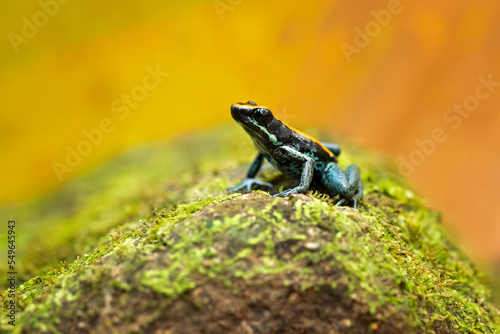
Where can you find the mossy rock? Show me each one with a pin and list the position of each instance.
(170, 252)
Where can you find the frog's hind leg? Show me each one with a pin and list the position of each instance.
(347, 184)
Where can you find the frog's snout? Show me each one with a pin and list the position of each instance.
(235, 108)
(236, 111)
(239, 109)
(242, 110)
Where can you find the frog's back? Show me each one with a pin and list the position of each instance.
(303, 143)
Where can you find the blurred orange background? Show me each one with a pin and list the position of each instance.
(382, 74)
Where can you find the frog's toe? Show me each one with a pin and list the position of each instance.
(238, 187)
(358, 199)
(286, 193)
(234, 189)
(248, 183)
(355, 199)
(262, 183)
(342, 201)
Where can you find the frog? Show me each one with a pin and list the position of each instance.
(296, 154)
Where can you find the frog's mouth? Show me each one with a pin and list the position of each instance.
(252, 128)
(259, 133)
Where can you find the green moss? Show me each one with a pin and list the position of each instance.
(150, 246)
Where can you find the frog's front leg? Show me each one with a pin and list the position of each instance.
(347, 185)
(307, 171)
(250, 180)
(334, 148)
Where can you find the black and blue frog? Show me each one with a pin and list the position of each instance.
(295, 154)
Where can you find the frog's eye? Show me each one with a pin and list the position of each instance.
(251, 103)
(263, 115)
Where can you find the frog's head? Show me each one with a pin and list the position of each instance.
(257, 121)
(249, 113)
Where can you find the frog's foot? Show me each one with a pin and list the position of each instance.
(248, 183)
(347, 185)
(291, 191)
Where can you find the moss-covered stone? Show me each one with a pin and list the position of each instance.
(151, 243)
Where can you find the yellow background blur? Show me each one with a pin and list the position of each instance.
(392, 90)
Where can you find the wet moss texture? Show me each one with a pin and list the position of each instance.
(151, 243)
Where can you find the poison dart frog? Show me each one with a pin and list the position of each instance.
(295, 154)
